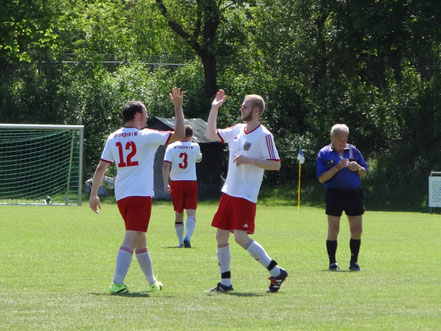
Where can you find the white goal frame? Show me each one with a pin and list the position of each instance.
(74, 152)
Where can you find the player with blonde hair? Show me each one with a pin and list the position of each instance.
(251, 151)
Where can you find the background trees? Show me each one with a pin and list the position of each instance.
(371, 64)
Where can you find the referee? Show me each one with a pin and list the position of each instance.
(339, 167)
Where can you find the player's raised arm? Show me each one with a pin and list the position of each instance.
(177, 98)
(211, 132)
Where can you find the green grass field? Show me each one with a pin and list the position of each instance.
(57, 264)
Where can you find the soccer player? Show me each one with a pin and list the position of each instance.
(251, 151)
(133, 149)
(339, 167)
(182, 156)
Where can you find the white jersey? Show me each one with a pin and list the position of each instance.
(183, 157)
(244, 181)
(133, 152)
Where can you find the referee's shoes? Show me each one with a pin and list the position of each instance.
(353, 266)
(333, 267)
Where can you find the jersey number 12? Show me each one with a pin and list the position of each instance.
(130, 145)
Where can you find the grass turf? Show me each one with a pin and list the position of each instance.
(57, 264)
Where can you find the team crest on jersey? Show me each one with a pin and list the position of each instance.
(247, 146)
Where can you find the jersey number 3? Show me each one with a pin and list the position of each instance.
(130, 145)
(184, 163)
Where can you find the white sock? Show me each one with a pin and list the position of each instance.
(258, 252)
(190, 224)
(145, 263)
(260, 255)
(179, 227)
(123, 260)
(224, 259)
(275, 271)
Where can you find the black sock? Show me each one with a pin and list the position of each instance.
(331, 246)
(226, 274)
(271, 265)
(354, 244)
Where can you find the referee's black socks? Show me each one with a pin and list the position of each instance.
(354, 244)
(331, 247)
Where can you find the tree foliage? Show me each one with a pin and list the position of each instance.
(373, 65)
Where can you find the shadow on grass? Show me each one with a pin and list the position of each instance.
(141, 294)
(237, 294)
(177, 247)
(342, 271)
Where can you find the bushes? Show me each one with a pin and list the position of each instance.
(314, 63)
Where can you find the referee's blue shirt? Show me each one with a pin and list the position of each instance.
(345, 179)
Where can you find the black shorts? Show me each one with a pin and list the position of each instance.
(350, 201)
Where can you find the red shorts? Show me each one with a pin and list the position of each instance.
(184, 194)
(136, 212)
(235, 214)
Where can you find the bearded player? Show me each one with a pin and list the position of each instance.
(251, 151)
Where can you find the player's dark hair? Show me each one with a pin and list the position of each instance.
(188, 131)
(131, 108)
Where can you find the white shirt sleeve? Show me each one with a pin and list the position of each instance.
(269, 148)
(107, 154)
(228, 133)
(168, 154)
(157, 137)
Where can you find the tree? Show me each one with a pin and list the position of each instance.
(197, 22)
(27, 29)
(202, 39)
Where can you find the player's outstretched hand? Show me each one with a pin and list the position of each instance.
(220, 99)
(94, 204)
(177, 97)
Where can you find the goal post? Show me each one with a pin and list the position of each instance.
(41, 164)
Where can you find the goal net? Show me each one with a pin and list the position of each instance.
(41, 164)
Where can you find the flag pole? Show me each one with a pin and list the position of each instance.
(298, 189)
(301, 159)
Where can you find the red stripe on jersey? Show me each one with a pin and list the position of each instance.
(106, 161)
(222, 141)
(169, 136)
(165, 161)
(270, 145)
